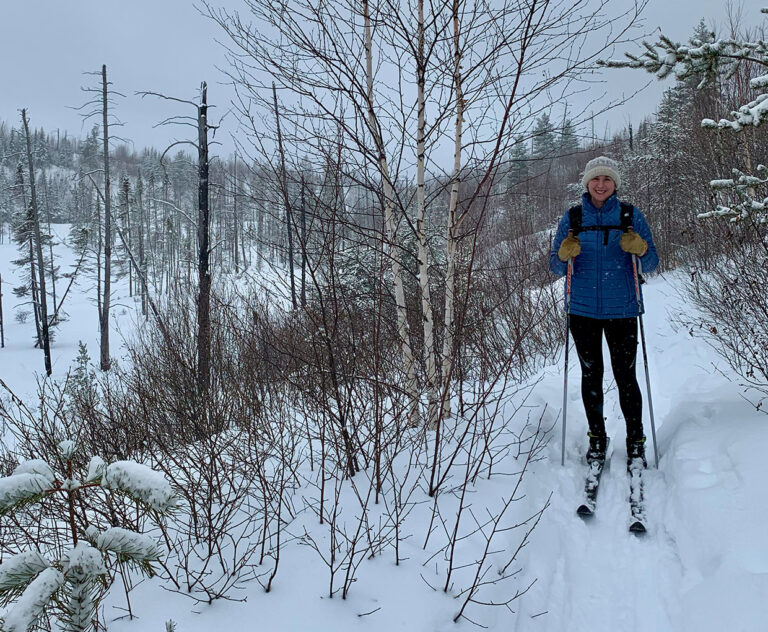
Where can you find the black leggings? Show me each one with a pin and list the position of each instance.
(621, 335)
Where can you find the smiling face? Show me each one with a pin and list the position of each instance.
(600, 189)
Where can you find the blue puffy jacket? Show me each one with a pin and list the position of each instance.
(602, 281)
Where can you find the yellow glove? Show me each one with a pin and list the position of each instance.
(571, 247)
(632, 243)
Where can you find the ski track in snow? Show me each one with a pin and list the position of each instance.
(607, 578)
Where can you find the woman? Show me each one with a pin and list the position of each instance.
(600, 238)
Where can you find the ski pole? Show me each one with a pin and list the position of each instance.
(565, 372)
(637, 270)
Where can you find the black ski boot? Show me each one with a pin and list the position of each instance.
(597, 447)
(636, 454)
(596, 455)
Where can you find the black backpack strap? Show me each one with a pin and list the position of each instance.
(627, 211)
(625, 218)
(574, 216)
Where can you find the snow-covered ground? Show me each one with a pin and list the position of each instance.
(702, 566)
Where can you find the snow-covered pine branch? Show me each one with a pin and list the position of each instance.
(707, 59)
(73, 586)
(84, 570)
(129, 546)
(36, 466)
(83, 560)
(67, 449)
(32, 602)
(744, 186)
(27, 484)
(96, 469)
(17, 571)
(140, 483)
(753, 113)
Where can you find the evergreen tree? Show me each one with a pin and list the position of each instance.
(90, 150)
(544, 140)
(23, 235)
(568, 141)
(519, 165)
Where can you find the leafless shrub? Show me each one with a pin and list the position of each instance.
(732, 304)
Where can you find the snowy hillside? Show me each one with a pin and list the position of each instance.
(702, 566)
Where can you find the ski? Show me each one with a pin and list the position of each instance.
(591, 487)
(636, 503)
(592, 483)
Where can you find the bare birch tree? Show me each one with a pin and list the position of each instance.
(428, 320)
(374, 126)
(367, 69)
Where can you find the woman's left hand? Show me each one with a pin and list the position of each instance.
(632, 243)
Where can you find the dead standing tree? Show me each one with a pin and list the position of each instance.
(203, 302)
(101, 103)
(203, 250)
(42, 305)
(104, 359)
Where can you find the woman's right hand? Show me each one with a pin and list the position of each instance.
(571, 247)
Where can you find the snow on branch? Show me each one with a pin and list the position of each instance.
(129, 544)
(67, 449)
(96, 469)
(706, 60)
(20, 489)
(140, 483)
(17, 571)
(84, 561)
(753, 113)
(36, 466)
(33, 601)
(744, 186)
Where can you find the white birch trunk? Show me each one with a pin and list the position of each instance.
(409, 364)
(426, 303)
(452, 227)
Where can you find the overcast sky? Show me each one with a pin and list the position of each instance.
(47, 46)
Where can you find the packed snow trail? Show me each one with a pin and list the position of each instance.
(703, 565)
(604, 578)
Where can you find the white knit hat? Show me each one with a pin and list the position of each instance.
(601, 166)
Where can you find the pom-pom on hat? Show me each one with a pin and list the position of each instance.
(601, 166)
